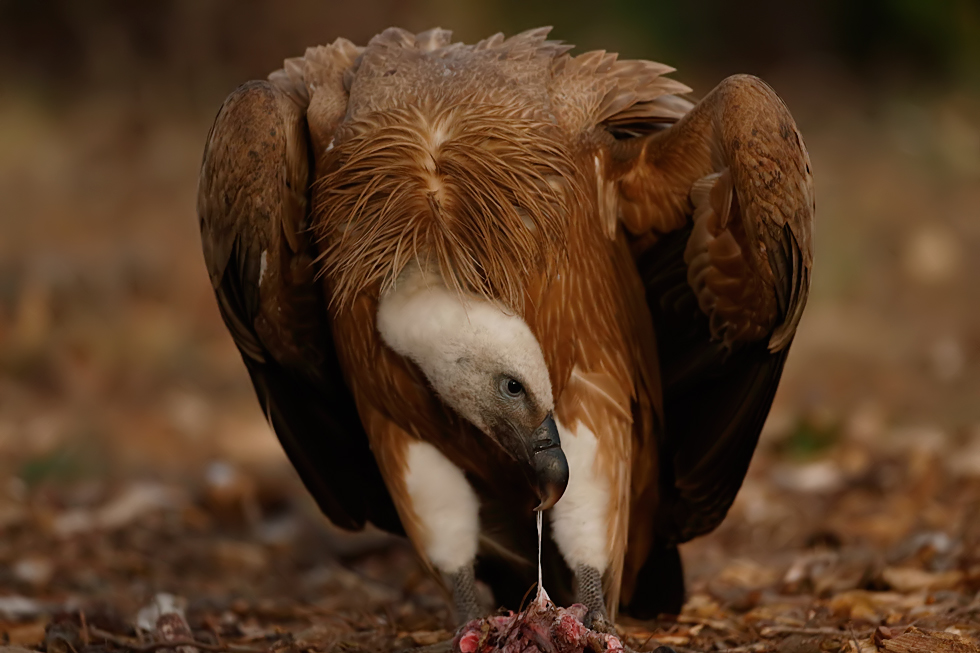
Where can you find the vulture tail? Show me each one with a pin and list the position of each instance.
(659, 586)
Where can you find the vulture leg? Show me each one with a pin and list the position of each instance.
(464, 594)
(589, 522)
(436, 504)
(588, 592)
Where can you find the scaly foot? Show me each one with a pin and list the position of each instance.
(588, 592)
(464, 595)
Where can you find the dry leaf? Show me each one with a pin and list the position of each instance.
(27, 634)
(911, 579)
(914, 640)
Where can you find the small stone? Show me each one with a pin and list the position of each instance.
(33, 570)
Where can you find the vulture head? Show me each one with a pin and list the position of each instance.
(486, 365)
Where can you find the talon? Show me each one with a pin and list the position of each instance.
(596, 620)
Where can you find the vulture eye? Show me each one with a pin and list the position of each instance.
(511, 388)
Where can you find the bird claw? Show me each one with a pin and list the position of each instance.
(596, 620)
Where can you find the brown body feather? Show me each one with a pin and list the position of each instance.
(472, 188)
(663, 270)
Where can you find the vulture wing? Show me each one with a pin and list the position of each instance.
(718, 210)
(253, 207)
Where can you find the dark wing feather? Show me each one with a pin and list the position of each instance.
(715, 399)
(252, 207)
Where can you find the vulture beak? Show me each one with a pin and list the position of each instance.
(549, 463)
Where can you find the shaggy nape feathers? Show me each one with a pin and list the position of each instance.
(477, 191)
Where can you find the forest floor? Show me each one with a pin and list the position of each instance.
(134, 463)
(815, 556)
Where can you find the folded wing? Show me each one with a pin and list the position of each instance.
(718, 209)
(253, 207)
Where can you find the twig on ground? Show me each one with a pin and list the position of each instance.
(721, 626)
(769, 631)
(127, 643)
(438, 647)
(854, 639)
(85, 632)
(645, 642)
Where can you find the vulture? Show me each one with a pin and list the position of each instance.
(473, 282)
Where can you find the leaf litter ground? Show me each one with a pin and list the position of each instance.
(862, 548)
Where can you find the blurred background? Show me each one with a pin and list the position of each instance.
(121, 390)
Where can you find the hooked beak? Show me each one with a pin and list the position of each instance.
(549, 463)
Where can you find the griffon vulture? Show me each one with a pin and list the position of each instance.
(469, 281)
